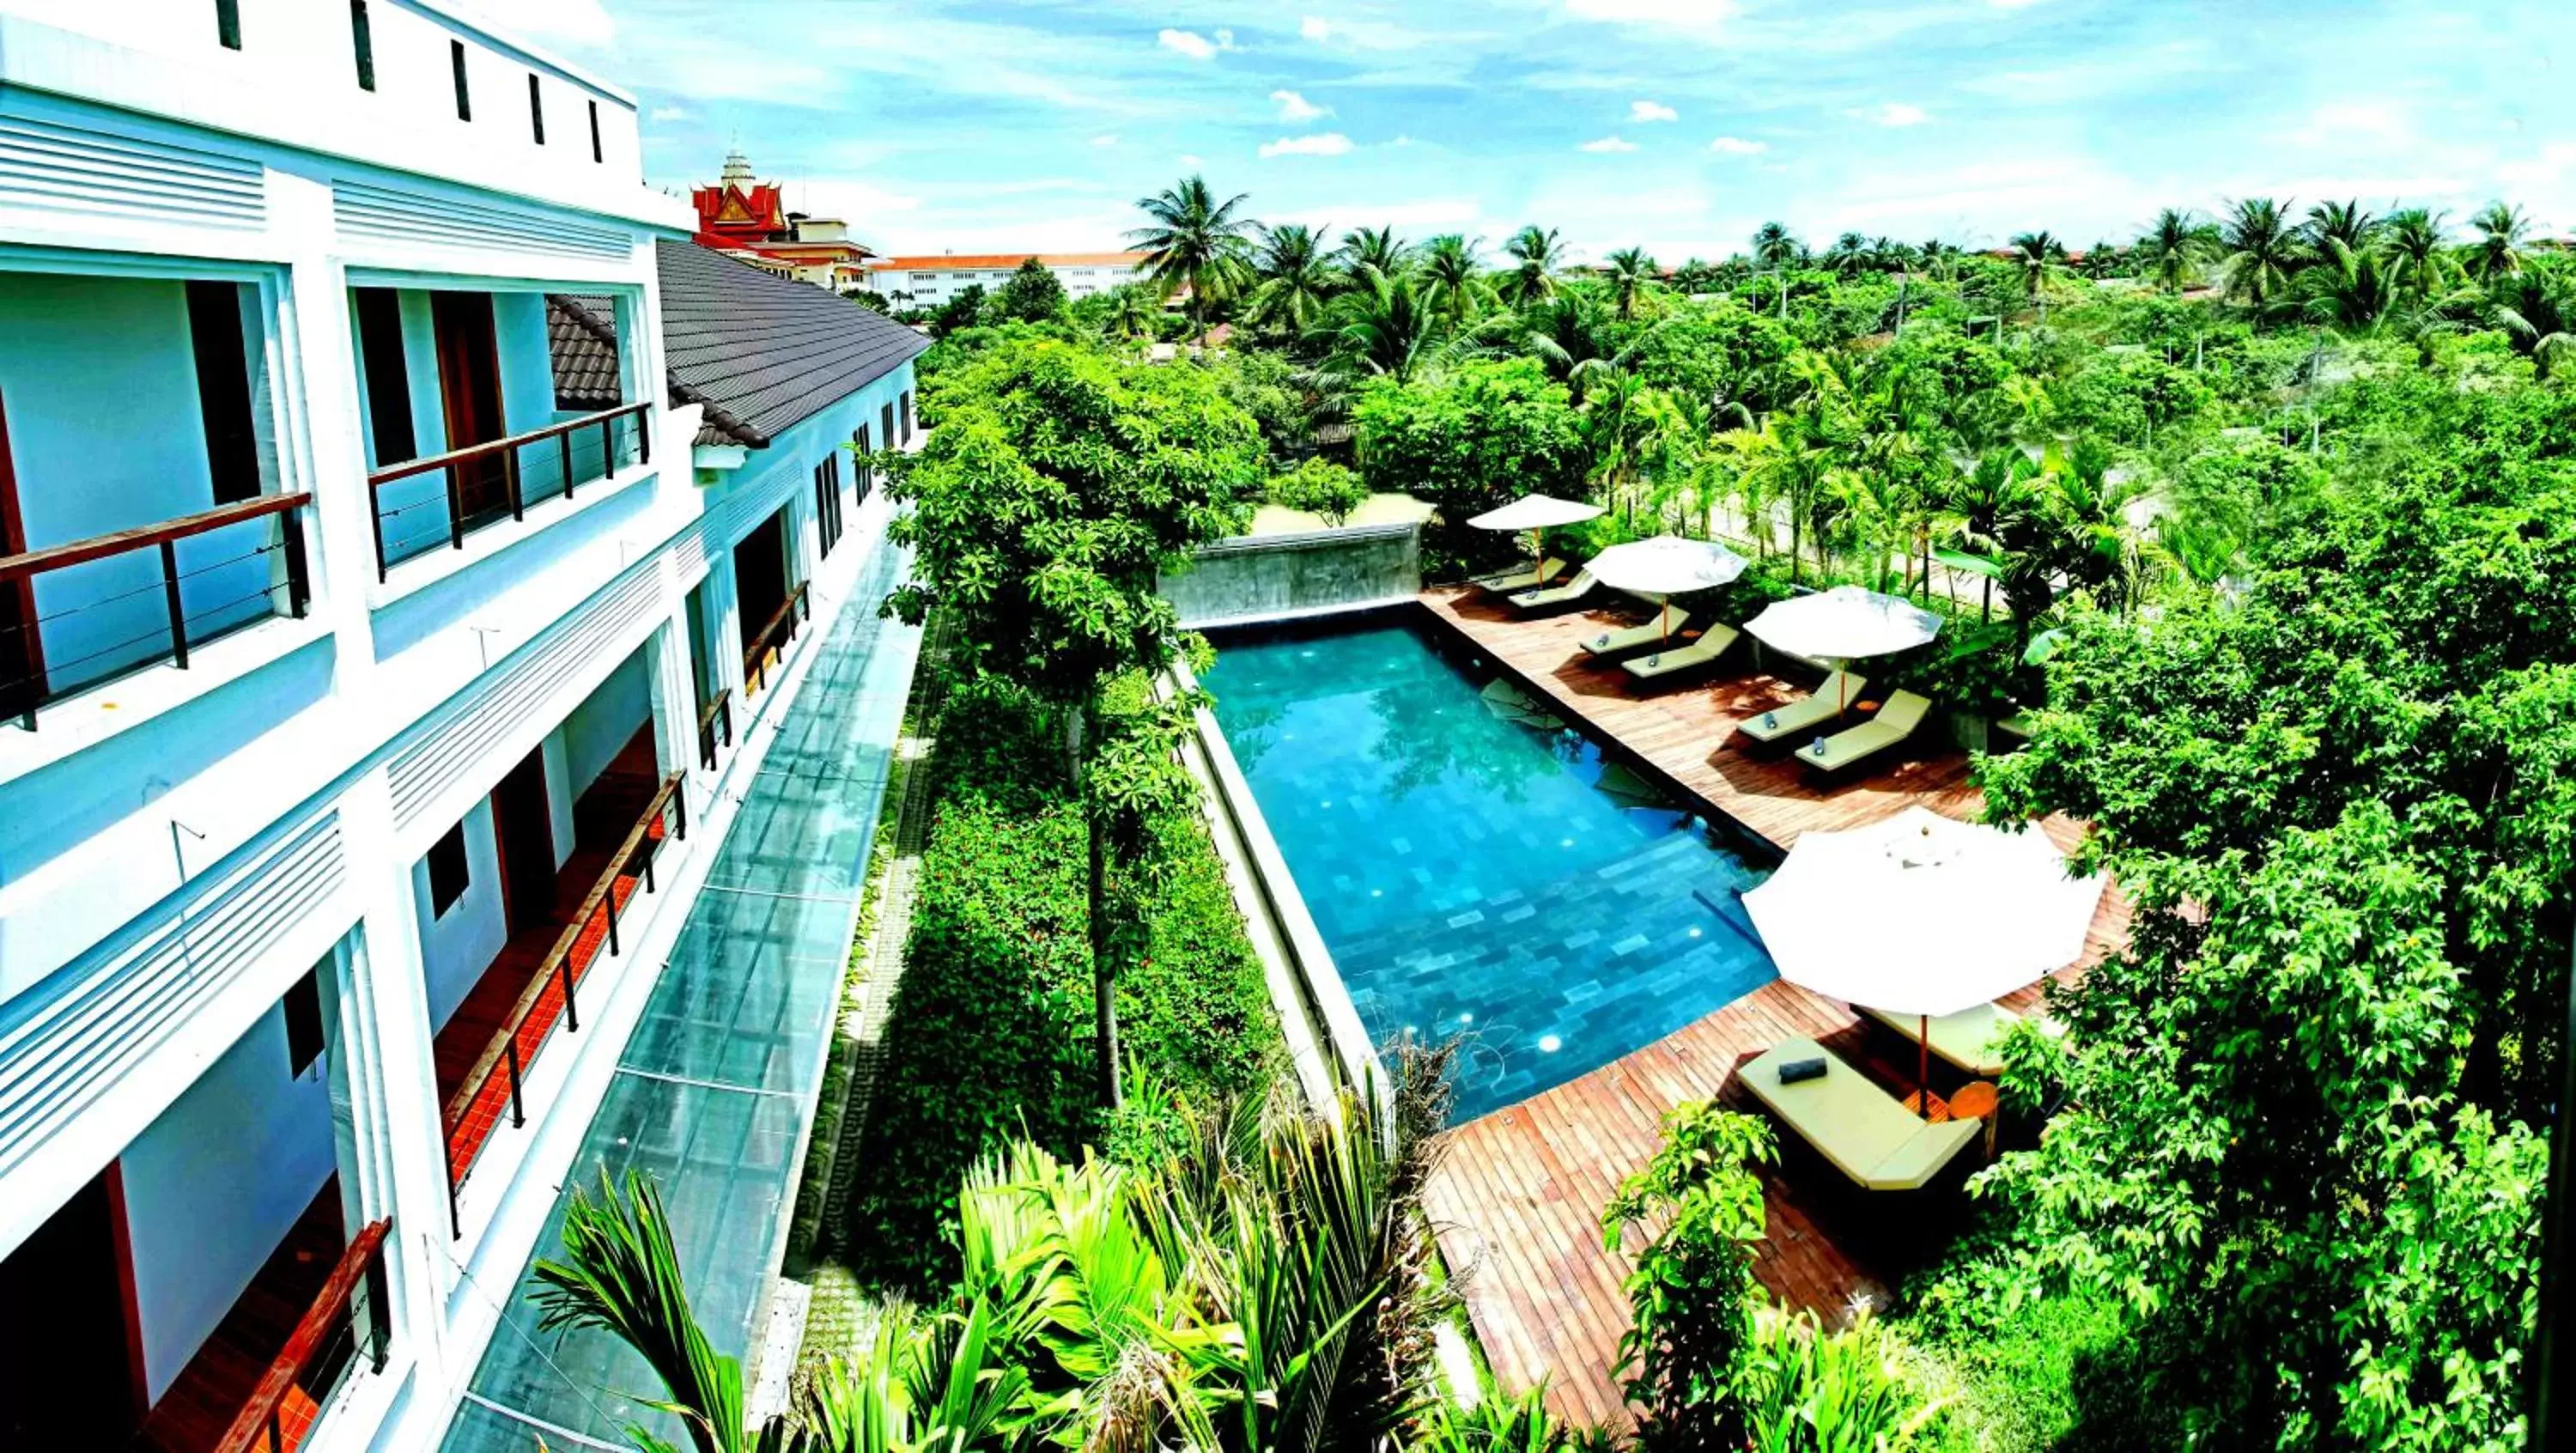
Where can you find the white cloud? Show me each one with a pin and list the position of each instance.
(1892, 113)
(1110, 140)
(2012, 4)
(1296, 108)
(673, 113)
(1609, 143)
(579, 22)
(1679, 14)
(1194, 45)
(1315, 27)
(1330, 143)
(1643, 111)
(2343, 122)
(1737, 146)
(1191, 159)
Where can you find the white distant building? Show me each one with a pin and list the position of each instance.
(929, 282)
(413, 554)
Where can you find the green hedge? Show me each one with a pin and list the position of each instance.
(990, 1034)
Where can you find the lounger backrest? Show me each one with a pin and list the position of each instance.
(1904, 711)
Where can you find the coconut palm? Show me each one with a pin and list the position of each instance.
(2038, 255)
(1569, 334)
(1453, 279)
(1985, 506)
(2416, 252)
(1790, 465)
(1383, 325)
(2174, 250)
(2261, 251)
(2538, 314)
(1940, 260)
(1297, 279)
(1132, 310)
(1631, 272)
(2497, 251)
(1775, 247)
(2349, 223)
(1194, 241)
(1376, 247)
(2351, 287)
(1535, 256)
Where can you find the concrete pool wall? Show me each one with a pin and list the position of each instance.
(1252, 578)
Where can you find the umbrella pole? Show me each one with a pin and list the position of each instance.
(1923, 1066)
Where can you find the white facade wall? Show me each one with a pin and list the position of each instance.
(932, 287)
(178, 848)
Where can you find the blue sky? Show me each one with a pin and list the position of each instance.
(972, 125)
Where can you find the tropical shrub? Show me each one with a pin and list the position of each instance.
(1467, 442)
(1801, 1389)
(1320, 488)
(1692, 1294)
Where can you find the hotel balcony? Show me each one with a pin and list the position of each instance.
(145, 508)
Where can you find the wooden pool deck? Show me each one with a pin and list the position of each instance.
(1517, 1197)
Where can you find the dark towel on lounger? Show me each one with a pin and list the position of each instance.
(1792, 1071)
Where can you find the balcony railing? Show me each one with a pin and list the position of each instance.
(353, 1317)
(770, 647)
(485, 484)
(715, 727)
(496, 1085)
(76, 615)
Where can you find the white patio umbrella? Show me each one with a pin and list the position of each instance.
(1535, 515)
(1982, 912)
(1666, 566)
(1843, 624)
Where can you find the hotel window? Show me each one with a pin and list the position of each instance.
(885, 423)
(362, 40)
(537, 108)
(305, 1036)
(866, 471)
(464, 97)
(827, 502)
(228, 23)
(907, 416)
(218, 342)
(448, 874)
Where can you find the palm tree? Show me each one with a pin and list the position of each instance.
(1790, 463)
(1195, 242)
(1535, 256)
(2175, 248)
(1568, 334)
(2262, 251)
(2417, 254)
(1377, 247)
(1986, 506)
(2038, 254)
(1453, 278)
(1775, 247)
(1631, 273)
(2351, 288)
(2538, 314)
(2349, 223)
(1382, 325)
(1132, 308)
(1297, 279)
(2497, 252)
(1940, 259)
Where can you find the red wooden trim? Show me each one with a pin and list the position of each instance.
(99, 547)
(13, 540)
(138, 1374)
(310, 1336)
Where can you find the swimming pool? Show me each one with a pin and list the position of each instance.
(1476, 865)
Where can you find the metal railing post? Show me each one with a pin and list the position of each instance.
(170, 592)
(610, 903)
(644, 435)
(376, 511)
(510, 483)
(380, 1311)
(572, 1013)
(299, 570)
(455, 507)
(518, 1111)
(563, 451)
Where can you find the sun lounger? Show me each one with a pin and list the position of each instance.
(1866, 1132)
(1682, 658)
(1894, 723)
(1968, 1039)
(1575, 589)
(1663, 628)
(1524, 579)
(1828, 701)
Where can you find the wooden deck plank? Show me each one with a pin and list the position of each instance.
(1519, 1192)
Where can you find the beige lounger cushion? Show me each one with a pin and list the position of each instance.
(1607, 643)
(1829, 700)
(1581, 584)
(1867, 1133)
(1681, 658)
(1894, 723)
(1523, 579)
(1966, 1039)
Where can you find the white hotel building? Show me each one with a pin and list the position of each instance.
(442, 715)
(929, 282)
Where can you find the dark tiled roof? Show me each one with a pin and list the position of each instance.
(764, 353)
(581, 333)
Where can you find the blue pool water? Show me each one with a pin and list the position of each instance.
(1475, 865)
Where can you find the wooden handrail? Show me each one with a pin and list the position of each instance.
(762, 644)
(410, 467)
(258, 1416)
(100, 547)
(715, 703)
(554, 961)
